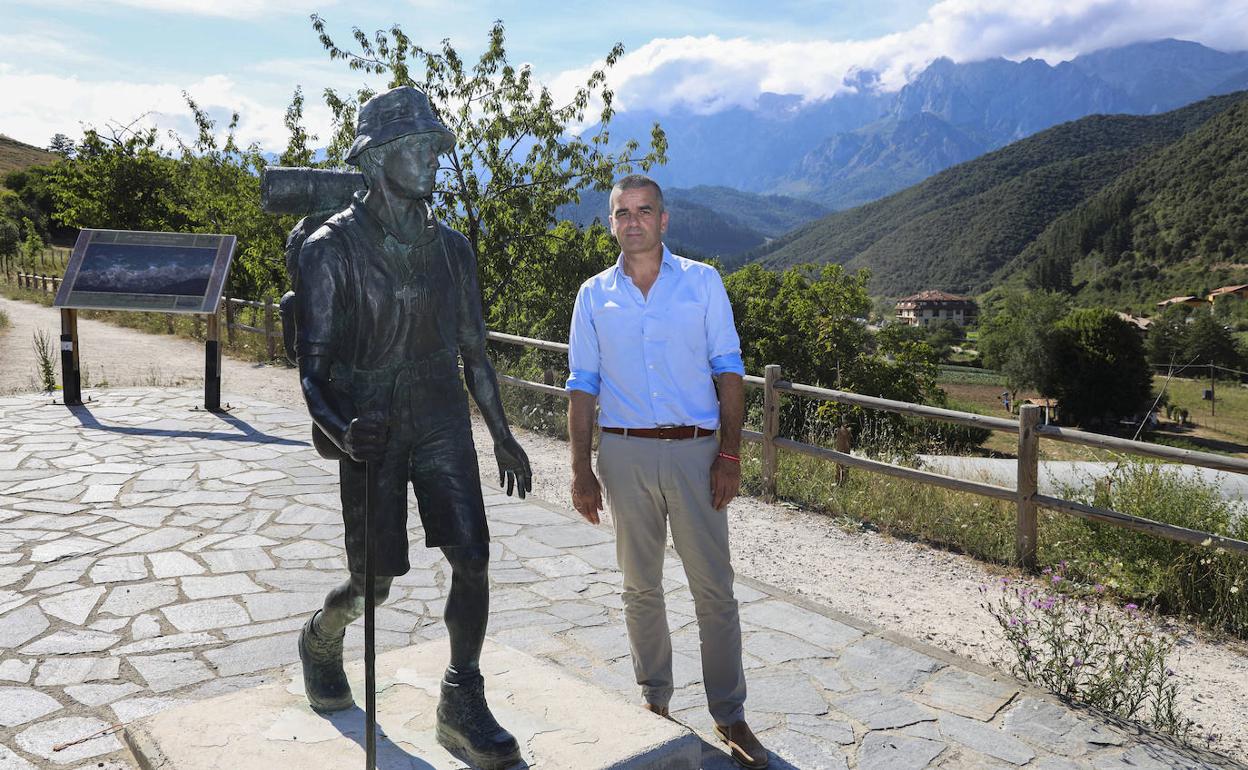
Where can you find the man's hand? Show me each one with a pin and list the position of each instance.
(365, 439)
(513, 467)
(725, 482)
(586, 493)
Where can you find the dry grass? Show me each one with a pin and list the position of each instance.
(15, 155)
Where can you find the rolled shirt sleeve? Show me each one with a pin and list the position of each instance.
(583, 356)
(722, 343)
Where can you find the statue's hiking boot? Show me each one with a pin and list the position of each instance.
(465, 724)
(323, 676)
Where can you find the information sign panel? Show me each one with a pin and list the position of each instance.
(160, 272)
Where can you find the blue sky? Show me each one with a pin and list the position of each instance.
(65, 63)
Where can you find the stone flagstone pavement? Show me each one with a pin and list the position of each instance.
(152, 554)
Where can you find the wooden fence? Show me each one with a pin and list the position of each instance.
(1028, 428)
(269, 313)
(1025, 494)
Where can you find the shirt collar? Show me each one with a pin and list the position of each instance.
(668, 263)
(368, 222)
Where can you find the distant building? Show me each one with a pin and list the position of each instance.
(1238, 290)
(1189, 301)
(932, 307)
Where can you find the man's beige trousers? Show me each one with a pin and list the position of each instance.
(649, 483)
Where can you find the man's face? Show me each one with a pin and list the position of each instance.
(637, 221)
(411, 166)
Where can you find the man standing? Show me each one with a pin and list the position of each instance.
(648, 336)
(387, 301)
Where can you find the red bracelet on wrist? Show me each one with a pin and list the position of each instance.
(727, 456)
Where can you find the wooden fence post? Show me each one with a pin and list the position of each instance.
(269, 329)
(771, 429)
(229, 321)
(1029, 417)
(843, 444)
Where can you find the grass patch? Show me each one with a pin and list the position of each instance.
(1230, 422)
(969, 375)
(4, 320)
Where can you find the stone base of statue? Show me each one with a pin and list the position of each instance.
(559, 720)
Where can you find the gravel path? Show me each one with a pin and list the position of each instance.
(908, 588)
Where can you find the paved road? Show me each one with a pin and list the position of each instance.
(151, 554)
(1058, 476)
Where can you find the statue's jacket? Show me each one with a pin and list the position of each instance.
(391, 317)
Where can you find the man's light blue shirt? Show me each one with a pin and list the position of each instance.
(649, 360)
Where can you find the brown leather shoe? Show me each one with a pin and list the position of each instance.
(745, 749)
(662, 711)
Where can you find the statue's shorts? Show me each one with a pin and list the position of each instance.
(434, 452)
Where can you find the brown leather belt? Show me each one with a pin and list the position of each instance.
(678, 431)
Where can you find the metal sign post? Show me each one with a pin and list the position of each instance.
(212, 365)
(71, 373)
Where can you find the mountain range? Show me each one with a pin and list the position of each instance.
(711, 221)
(1111, 207)
(866, 143)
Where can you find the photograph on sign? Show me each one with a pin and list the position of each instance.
(130, 270)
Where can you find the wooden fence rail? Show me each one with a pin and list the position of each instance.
(1028, 428)
(51, 284)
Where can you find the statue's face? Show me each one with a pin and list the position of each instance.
(410, 166)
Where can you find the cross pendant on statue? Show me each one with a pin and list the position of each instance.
(408, 294)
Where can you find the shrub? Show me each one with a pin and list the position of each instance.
(1203, 582)
(43, 355)
(1068, 640)
(1097, 368)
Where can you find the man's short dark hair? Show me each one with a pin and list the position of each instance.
(636, 182)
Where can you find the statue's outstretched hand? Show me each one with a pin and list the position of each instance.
(513, 467)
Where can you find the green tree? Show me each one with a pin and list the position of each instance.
(1167, 340)
(32, 248)
(1014, 337)
(28, 194)
(802, 319)
(222, 190)
(299, 148)
(1098, 370)
(10, 238)
(62, 145)
(943, 336)
(810, 320)
(515, 162)
(1208, 341)
(119, 181)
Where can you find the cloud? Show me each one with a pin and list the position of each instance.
(37, 105)
(709, 73)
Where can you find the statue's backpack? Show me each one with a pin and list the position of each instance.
(294, 245)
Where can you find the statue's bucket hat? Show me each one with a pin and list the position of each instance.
(394, 114)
